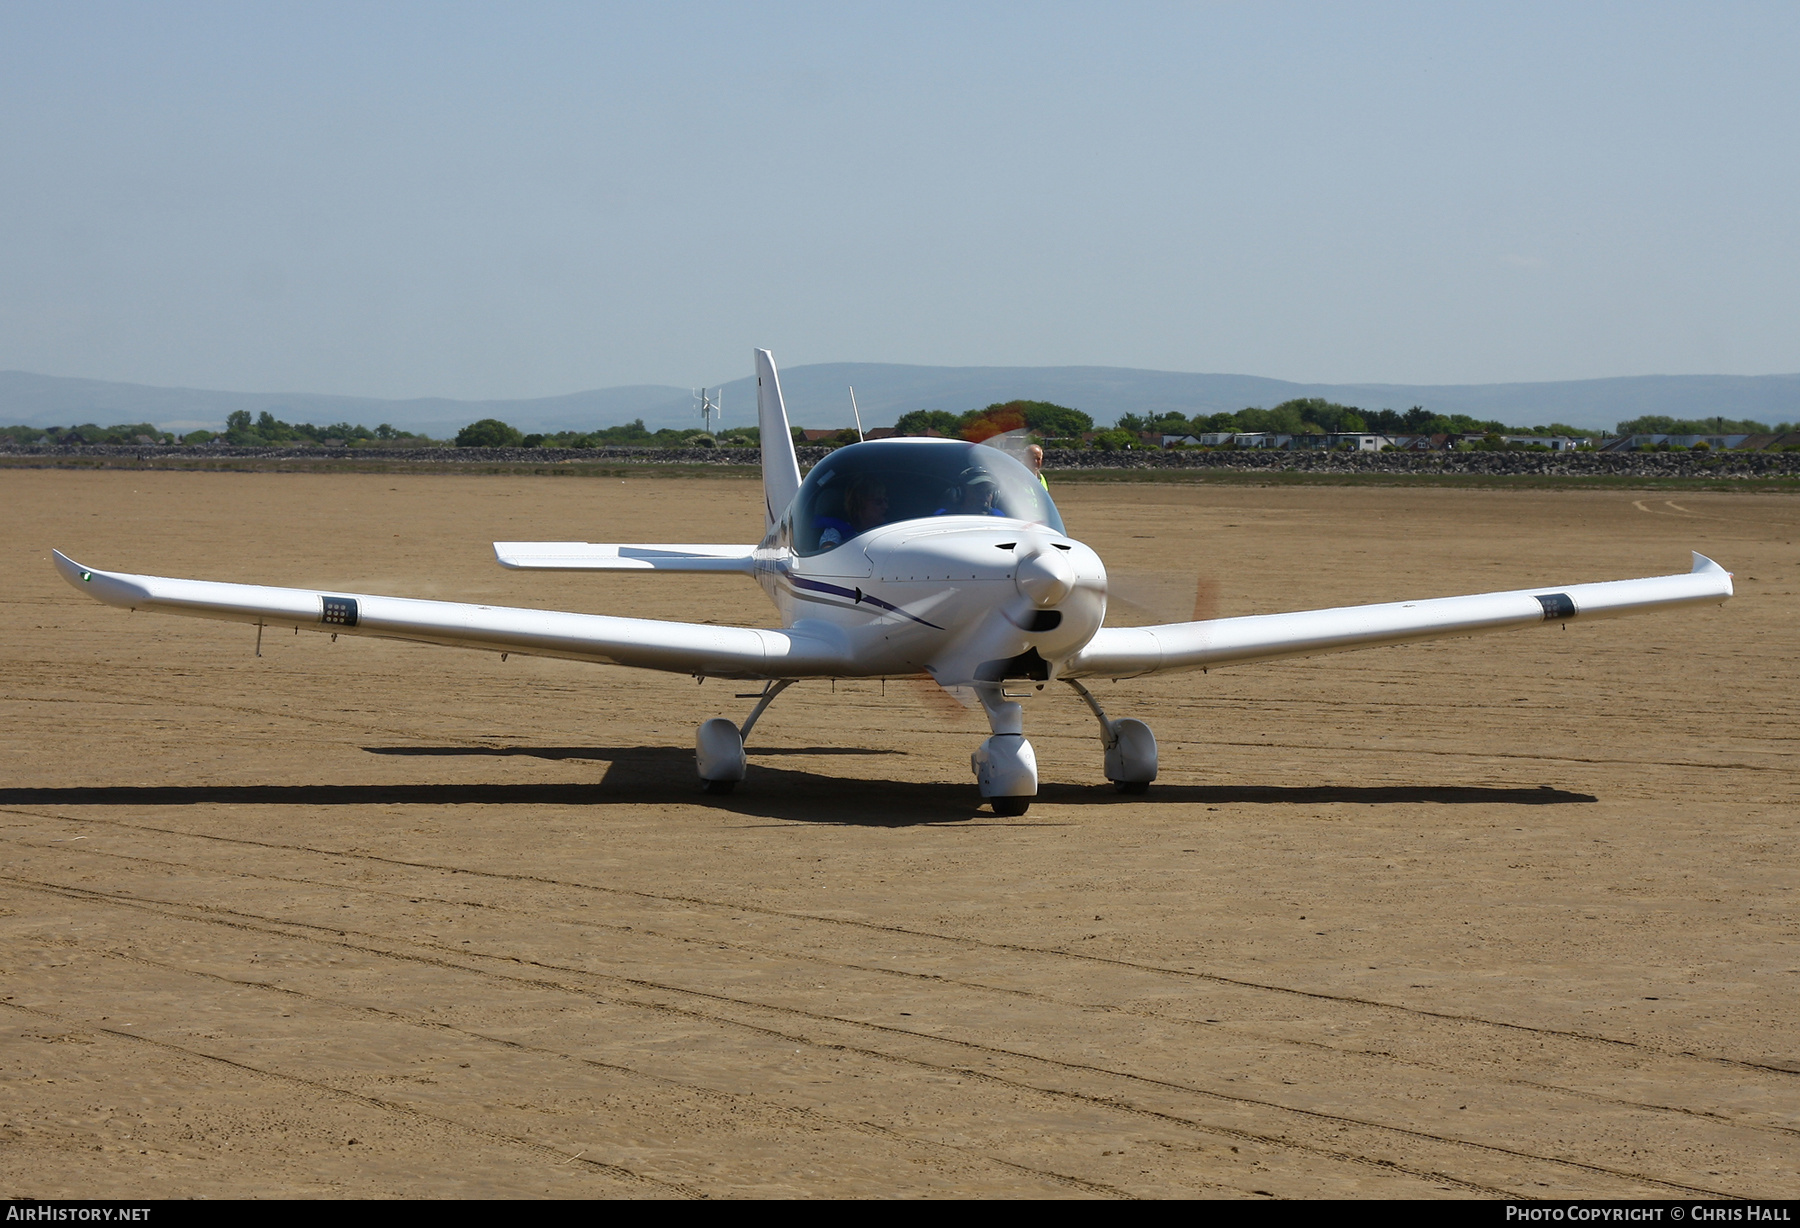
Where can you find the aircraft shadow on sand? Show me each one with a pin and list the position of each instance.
(638, 775)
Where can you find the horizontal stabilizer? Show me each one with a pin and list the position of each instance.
(1128, 652)
(599, 556)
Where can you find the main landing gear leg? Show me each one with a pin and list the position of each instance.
(1005, 765)
(719, 745)
(1130, 747)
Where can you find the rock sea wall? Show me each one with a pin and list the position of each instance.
(1609, 464)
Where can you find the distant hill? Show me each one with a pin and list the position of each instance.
(818, 396)
(50, 400)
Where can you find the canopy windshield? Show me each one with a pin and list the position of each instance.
(867, 485)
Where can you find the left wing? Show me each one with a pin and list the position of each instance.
(590, 556)
(1128, 652)
(688, 648)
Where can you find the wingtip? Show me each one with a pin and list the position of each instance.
(109, 587)
(1706, 566)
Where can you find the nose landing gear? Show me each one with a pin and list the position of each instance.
(1005, 765)
(1006, 769)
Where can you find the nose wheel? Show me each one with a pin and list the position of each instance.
(1005, 765)
(1006, 769)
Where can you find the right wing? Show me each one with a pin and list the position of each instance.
(689, 648)
(1128, 652)
(590, 556)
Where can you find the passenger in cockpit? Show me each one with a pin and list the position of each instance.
(973, 495)
(865, 505)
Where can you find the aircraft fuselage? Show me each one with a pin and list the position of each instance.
(929, 595)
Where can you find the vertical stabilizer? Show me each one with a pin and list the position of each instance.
(781, 471)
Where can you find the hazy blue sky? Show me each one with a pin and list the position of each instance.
(516, 200)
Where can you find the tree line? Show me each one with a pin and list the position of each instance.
(1300, 416)
(493, 433)
(240, 431)
(1659, 424)
(1055, 424)
(1317, 416)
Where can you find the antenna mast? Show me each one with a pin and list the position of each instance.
(857, 412)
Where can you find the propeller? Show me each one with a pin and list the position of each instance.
(1137, 599)
(952, 703)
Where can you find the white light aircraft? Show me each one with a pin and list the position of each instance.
(898, 558)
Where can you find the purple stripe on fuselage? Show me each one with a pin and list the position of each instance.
(856, 595)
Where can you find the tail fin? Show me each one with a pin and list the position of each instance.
(781, 471)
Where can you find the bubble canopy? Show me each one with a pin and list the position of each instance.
(867, 485)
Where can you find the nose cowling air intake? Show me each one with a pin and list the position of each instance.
(1045, 577)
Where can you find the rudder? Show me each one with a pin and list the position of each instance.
(780, 467)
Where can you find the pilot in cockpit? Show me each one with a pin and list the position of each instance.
(865, 508)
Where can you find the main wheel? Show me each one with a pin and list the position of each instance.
(1132, 786)
(1007, 807)
(719, 787)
